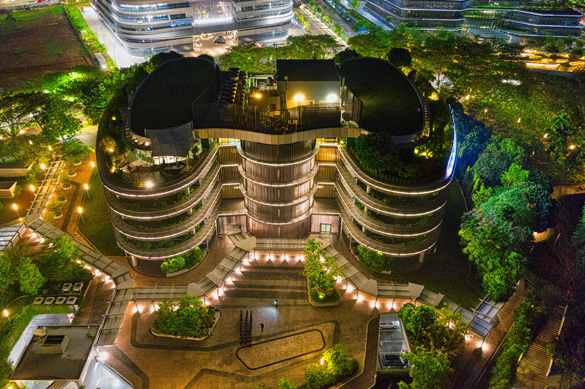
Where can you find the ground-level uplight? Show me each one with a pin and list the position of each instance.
(5, 312)
(276, 302)
(92, 164)
(32, 188)
(43, 166)
(86, 187)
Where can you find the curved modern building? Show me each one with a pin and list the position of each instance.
(149, 27)
(510, 19)
(270, 157)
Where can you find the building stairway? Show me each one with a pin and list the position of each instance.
(266, 282)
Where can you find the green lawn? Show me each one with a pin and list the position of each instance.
(98, 227)
(447, 270)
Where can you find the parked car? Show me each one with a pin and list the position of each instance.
(393, 360)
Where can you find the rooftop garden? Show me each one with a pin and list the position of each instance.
(165, 98)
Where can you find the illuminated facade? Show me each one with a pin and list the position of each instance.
(276, 163)
(503, 19)
(145, 28)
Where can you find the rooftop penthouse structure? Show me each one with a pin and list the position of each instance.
(514, 20)
(148, 27)
(271, 155)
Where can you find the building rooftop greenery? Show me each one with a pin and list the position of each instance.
(164, 99)
(391, 104)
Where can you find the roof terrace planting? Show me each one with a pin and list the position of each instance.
(390, 101)
(164, 99)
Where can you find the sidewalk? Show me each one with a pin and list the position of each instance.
(471, 366)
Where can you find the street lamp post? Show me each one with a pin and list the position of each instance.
(87, 190)
(6, 314)
(80, 213)
(16, 209)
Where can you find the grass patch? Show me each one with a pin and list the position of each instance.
(98, 227)
(447, 270)
(23, 19)
(16, 306)
(54, 49)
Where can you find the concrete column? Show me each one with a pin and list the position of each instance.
(368, 189)
(190, 211)
(364, 229)
(421, 257)
(365, 208)
(134, 260)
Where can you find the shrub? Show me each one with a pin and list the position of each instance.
(339, 362)
(317, 377)
(372, 260)
(517, 342)
(321, 275)
(186, 318)
(172, 265)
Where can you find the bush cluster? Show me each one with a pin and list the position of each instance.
(516, 344)
(187, 261)
(338, 364)
(186, 318)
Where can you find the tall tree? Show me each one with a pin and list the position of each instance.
(29, 277)
(430, 370)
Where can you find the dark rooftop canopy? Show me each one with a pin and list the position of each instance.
(176, 141)
(390, 101)
(306, 70)
(165, 98)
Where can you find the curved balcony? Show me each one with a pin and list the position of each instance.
(392, 230)
(407, 210)
(248, 157)
(307, 177)
(395, 250)
(303, 197)
(203, 234)
(169, 232)
(293, 220)
(412, 190)
(175, 209)
(166, 189)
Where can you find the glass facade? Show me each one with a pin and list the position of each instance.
(479, 17)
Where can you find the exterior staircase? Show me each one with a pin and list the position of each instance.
(266, 282)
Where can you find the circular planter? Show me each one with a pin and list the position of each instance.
(323, 304)
(62, 201)
(71, 175)
(76, 163)
(58, 216)
(67, 187)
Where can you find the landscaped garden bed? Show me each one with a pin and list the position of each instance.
(182, 264)
(322, 274)
(187, 318)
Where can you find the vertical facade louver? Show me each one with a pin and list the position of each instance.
(147, 27)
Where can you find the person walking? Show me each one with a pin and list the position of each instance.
(261, 327)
